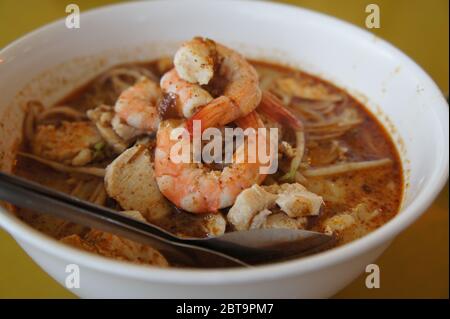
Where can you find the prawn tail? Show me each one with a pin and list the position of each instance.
(219, 112)
(273, 108)
(250, 120)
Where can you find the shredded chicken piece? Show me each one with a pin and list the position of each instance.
(123, 130)
(281, 220)
(70, 143)
(360, 214)
(260, 219)
(249, 203)
(296, 201)
(334, 192)
(338, 223)
(214, 224)
(131, 182)
(103, 117)
(255, 205)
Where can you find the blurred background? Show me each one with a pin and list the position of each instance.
(416, 265)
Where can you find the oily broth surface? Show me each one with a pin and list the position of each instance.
(378, 189)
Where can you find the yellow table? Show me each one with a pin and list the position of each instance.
(416, 264)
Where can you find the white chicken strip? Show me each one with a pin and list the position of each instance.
(259, 207)
(214, 224)
(338, 223)
(281, 220)
(250, 202)
(131, 182)
(305, 89)
(259, 220)
(296, 201)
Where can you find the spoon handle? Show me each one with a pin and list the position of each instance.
(46, 199)
(27, 194)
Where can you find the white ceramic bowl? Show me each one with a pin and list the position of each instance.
(49, 62)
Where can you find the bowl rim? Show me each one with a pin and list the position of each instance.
(25, 233)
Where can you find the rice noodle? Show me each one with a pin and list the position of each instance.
(95, 171)
(333, 127)
(348, 117)
(315, 104)
(291, 88)
(85, 189)
(32, 109)
(311, 114)
(92, 190)
(299, 178)
(321, 121)
(99, 194)
(323, 107)
(107, 88)
(341, 168)
(122, 77)
(134, 72)
(76, 191)
(297, 160)
(321, 137)
(65, 111)
(101, 197)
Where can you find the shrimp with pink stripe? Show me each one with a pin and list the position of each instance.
(137, 109)
(213, 84)
(196, 188)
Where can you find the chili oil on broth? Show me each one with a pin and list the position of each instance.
(374, 190)
(371, 196)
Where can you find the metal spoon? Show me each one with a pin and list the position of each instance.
(242, 248)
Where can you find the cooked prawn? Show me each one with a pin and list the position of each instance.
(196, 189)
(137, 106)
(190, 96)
(241, 92)
(215, 63)
(195, 60)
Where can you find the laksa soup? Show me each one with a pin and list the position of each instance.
(207, 142)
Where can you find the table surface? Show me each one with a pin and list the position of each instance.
(415, 265)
